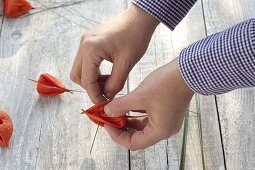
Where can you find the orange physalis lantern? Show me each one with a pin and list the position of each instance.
(97, 115)
(16, 8)
(6, 129)
(48, 85)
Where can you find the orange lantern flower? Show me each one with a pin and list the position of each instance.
(48, 85)
(6, 129)
(97, 115)
(16, 8)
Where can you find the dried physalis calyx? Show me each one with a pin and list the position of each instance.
(6, 128)
(48, 85)
(97, 115)
(16, 8)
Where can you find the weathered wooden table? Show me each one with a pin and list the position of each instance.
(50, 132)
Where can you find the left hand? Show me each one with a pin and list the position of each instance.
(122, 41)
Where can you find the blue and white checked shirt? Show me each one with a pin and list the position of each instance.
(216, 64)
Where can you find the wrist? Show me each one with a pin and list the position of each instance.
(179, 82)
(141, 19)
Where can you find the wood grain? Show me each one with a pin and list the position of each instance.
(50, 132)
(1, 10)
(1, 18)
(236, 108)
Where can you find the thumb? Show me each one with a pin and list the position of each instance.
(116, 80)
(122, 105)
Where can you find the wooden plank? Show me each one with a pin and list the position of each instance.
(50, 132)
(211, 140)
(236, 108)
(1, 17)
(165, 45)
(1, 9)
(237, 121)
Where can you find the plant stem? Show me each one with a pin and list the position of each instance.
(33, 80)
(94, 140)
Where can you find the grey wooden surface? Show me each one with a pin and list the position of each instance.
(50, 132)
(237, 108)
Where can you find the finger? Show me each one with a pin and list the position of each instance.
(116, 81)
(101, 80)
(76, 70)
(90, 74)
(137, 123)
(133, 140)
(120, 106)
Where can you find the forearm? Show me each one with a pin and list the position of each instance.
(169, 12)
(221, 62)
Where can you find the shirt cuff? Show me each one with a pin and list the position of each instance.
(221, 62)
(169, 12)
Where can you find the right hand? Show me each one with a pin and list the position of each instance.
(164, 96)
(122, 41)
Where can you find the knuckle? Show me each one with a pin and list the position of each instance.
(93, 100)
(176, 130)
(116, 87)
(74, 77)
(136, 148)
(113, 138)
(89, 43)
(97, 98)
(84, 37)
(133, 148)
(164, 135)
(116, 138)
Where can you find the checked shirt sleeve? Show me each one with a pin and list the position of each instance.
(169, 12)
(221, 62)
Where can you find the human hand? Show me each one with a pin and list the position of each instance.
(122, 41)
(164, 96)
